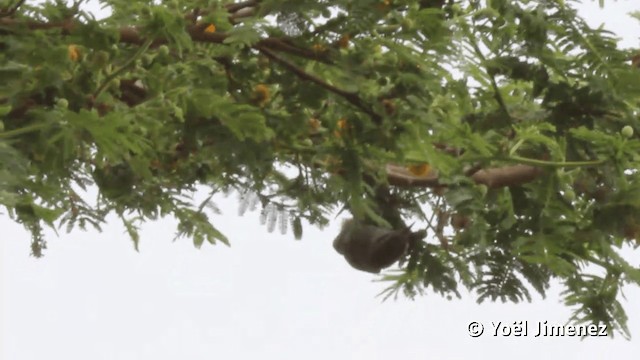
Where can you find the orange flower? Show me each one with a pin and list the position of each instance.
(383, 5)
(420, 169)
(389, 107)
(341, 127)
(314, 124)
(210, 29)
(635, 60)
(261, 94)
(343, 42)
(333, 165)
(318, 48)
(73, 52)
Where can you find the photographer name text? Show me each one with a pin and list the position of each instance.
(535, 329)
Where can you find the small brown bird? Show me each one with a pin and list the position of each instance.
(371, 248)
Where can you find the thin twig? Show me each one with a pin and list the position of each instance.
(494, 84)
(351, 97)
(124, 67)
(11, 10)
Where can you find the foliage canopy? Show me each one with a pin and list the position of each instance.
(511, 120)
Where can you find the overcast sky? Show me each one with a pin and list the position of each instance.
(266, 297)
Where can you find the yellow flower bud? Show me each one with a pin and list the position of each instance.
(210, 29)
(420, 169)
(73, 52)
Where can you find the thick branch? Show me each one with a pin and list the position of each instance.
(131, 35)
(400, 176)
(493, 177)
(232, 8)
(507, 176)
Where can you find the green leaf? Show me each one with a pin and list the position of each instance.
(249, 125)
(245, 35)
(4, 110)
(49, 216)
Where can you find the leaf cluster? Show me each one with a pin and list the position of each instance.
(306, 107)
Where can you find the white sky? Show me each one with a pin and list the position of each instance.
(93, 297)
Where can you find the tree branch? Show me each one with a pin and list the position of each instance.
(513, 175)
(131, 35)
(10, 10)
(351, 97)
(285, 46)
(397, 175)
(232, 8)
(507, 176)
